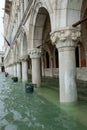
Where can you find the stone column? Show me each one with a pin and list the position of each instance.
(24, 70)
(15, 70)
(11, 70)
(8, 69)
(66, 40)
(35, 55)
(18, 70)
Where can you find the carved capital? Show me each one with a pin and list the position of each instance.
(65, 37)
(24, 57)
(35, 53)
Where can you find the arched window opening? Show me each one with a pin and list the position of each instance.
(77, 56)
(82, 56)
(47, 60)
(2, 69)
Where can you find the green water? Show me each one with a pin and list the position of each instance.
(38, 111)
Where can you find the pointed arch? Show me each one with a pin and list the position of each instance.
(38, 17)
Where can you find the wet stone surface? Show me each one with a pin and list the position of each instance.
(21, 111)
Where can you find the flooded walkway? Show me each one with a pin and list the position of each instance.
(38, 111)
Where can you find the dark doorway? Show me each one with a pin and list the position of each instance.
(47, 60)
(2, 69)
(56, 58)
(77, 56)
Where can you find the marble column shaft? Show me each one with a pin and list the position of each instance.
(66, 40)
(18, 70)
(24, 70)
(15, 70)
(35, 55)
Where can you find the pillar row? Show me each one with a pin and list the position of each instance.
(66, 40)
(35, 55)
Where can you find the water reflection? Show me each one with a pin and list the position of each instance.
(21, 111)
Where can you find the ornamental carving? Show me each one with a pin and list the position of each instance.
(35, 53)
(65, 37)
(75, 35)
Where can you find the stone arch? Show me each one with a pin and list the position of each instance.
(74, 11)
(69, 11)
(37, 20)
(39, 27)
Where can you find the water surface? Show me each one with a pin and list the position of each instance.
(38, 111)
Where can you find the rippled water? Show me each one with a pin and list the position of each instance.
(37, 111)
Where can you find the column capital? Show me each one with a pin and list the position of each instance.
(24, 58)
(35, 53)
(65, 37)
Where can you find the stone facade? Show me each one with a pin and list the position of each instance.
(44, 43)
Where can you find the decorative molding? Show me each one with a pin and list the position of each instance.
(65, 37)
(35, 53)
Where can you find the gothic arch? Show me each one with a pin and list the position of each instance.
(74, 11)
(39, 27)
(37, 21)
(70, 11)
